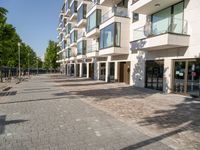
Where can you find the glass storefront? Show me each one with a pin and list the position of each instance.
(154, 74)
(187, 77)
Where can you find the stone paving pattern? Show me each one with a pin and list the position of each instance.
(39, 115)
(174, 119)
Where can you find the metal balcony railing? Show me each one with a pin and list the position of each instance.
(90, 6)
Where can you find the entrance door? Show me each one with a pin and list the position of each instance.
(154, 74)
(124, 72)
(84, 70)
(187, 77)
(72, 70)
(77, 70)
(91, 70)
(112, 71)
(102, 71)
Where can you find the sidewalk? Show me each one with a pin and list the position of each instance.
(173, 119)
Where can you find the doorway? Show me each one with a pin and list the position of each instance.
(187, 77)
(154, 74)
(102, 75)
(124, 72)
(91, 70)
(84, 69)
(77, 70)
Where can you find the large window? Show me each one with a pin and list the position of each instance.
(82, 12)
(68, 28)
(168, 20)
(73, 37)
(81, 48)
(94, 20)
(73, 8)
(110, 36)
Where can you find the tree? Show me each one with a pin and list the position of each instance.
(51, 56)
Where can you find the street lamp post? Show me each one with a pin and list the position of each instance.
(19, 60)
(28, 64)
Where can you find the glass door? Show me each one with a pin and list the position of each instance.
(179, 77)
(187, 77)
(193, 81)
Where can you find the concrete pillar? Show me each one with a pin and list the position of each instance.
(88, 70)
(168, 76)
(98, 70)
(107, 71)
(81, 70)
(116, 71)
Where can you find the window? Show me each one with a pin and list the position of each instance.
(73, 8)
(82, 12)
(110, 36)
(135, 17)
(68, 28)
(94, 20)
(73, 37)
(81, 48)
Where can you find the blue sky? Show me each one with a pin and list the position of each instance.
(35, 21)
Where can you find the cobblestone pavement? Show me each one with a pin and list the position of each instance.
(173, 119)
(39, 115)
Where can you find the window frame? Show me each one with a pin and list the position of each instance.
(114, 24)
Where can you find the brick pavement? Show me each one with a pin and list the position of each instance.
(39, 115)
(173, 118)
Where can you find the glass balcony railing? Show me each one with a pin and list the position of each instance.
(79, 1)
(117, 11)
(161, 26)
(81, 34)
(92, 48)
(90, 6)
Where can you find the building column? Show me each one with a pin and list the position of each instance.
(88, 71)
(75, 70)
(116, 71)
(107, 71)
(81, 70)
(168, 76)
(98, 70)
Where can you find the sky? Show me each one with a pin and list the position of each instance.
(35, 21)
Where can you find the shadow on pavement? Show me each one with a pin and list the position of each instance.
(9, 93)
(36, 100)
(83, 84)
(4, 122)
(186, 112)
(152, 140)
(104, 94)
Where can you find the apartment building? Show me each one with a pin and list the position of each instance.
(145, 43)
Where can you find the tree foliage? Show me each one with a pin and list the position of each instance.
(9, 40)
(51, 56)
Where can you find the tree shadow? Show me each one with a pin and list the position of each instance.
(81, 84)
(4, 122)
(153, 140)
(186, 112)
(9, 93)
(72, 80)
(38, 100)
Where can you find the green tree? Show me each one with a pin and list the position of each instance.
(51, 56)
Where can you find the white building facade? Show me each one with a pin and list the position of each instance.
(145, 43)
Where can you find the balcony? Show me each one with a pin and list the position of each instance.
(80, 2)
(81, 50)
(117, 14)
(161, 35)
(93, 22)
(109, 2)
(81, 36)
(92, 51)
(148, 7)
(73, 56)
(73, 11)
